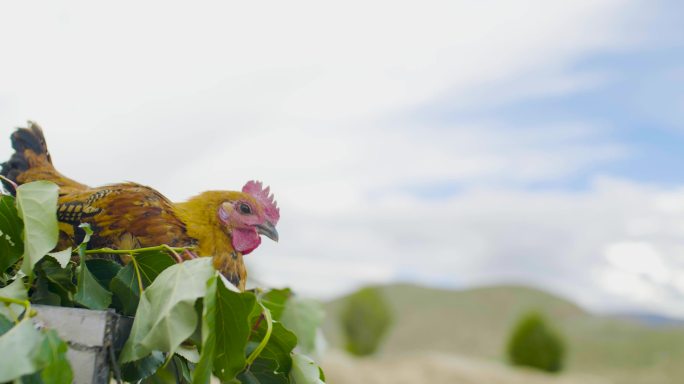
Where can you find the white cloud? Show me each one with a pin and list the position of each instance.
(580, 244)
(640, 259)
(239, 67)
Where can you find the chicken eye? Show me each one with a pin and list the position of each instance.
(245, 209)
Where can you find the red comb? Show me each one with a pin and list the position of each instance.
(256, 190)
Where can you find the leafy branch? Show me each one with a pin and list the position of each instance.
(184, 310)
(137, 250)
(134, 253)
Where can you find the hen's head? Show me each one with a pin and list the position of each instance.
(248, 214)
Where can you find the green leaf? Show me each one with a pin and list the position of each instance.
(42, 293)
(89, 293)
(166, 314)
(103, 270)
(175, 372)
(304, 370)
(126, 292)
(151, 264)
(233, 319)
(182, 367)
(51, 356)
(52, 279)
(37, 206)
(125, 284)
(303, 317)
(22, 341)
(275, 300)
(33, 378)
(226, 327)
(62, 277)
(145, 367)
(11, 244)
(15, 290)
(202, 373)
(5, 325)
(263, 371)
(191, 354)
(279, 347)
(63, 257)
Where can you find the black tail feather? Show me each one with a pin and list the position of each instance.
(22, 139)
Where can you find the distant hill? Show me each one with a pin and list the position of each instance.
(476, 322)
(650, 319)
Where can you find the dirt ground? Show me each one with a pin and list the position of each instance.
(435, 368)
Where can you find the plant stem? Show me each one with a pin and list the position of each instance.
(132, 252)
(10, 182)
(25, 303)
(269, 328)
(137, 250)
(257, 324)
(173, 253)
(136, 269)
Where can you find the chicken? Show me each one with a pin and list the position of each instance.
(223, 224)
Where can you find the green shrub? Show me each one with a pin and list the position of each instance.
(534, 344)
(365, 318)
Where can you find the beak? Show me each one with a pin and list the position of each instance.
(267, 229)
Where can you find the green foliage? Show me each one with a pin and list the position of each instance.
(365, 319)
(23, 340)
(31, 351)
(176, 371)
(275, 300)
(16, 292)
(242, 336)
(11, 244)
(143, 368)
(303, 317)
(305, 370)
(279, 347)
(271, 341)
(5, 325)
(138, 274)
(54, 285)
(37, 206)
(534, 344)
(166, 314)
(103, 270)
(223, 350)
(52, 357)
(89, 293)
(263, 371)
(62, 257)
(126, 289)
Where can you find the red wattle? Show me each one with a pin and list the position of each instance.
(245, 240)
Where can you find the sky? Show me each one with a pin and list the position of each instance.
(446, 143)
